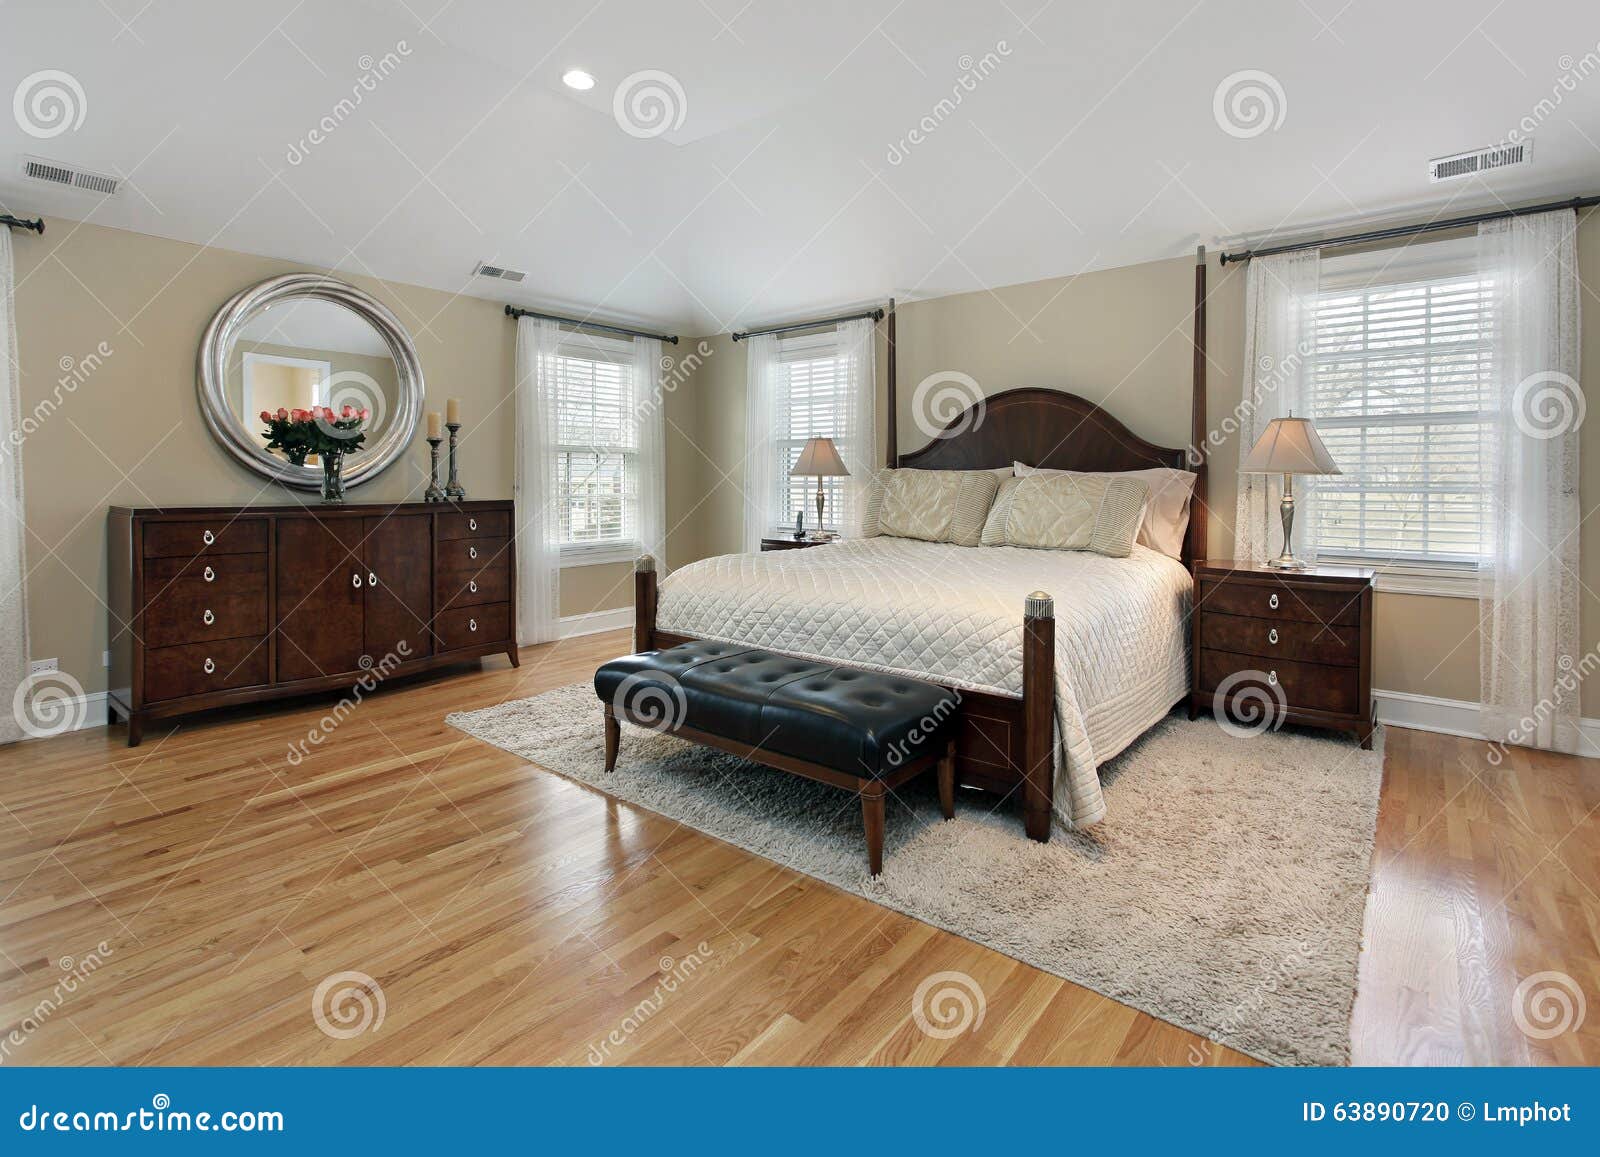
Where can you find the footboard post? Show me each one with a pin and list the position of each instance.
(644, 603)
(1038, 713)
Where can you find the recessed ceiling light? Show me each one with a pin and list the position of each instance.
(578, 79)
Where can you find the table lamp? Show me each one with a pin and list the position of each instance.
(1289, 446)
(819, 459)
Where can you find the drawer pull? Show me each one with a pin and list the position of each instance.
(472, 524)
(208, 618)
(355, 580)
(472, 585)
(372, 579)
(1273, 602)
(211, 665)
(472, 552)
(1272, 635)
(472, 624)
(210, 575)
(1272, 678)
(208, 538)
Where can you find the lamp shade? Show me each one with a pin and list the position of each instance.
(1290, 446)
(819, 458)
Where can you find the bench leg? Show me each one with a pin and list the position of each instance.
(872, 818)
(947, 782)
(613, 737)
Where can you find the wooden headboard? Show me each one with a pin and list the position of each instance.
(1062, 431)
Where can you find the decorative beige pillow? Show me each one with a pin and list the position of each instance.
(930, 505)
(1096, 512)
(1166, 514)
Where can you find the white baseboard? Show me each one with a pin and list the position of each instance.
(1455, 717)
(595, 622)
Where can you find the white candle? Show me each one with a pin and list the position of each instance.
(433, 424)
(452, 409)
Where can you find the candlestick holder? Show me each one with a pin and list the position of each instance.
(433, 493)
(453, 490)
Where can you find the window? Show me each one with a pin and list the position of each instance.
(597, 459)
(812, 401)
(1396, 379)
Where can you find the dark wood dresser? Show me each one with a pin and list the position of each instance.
(212, 606)
(1301, 638)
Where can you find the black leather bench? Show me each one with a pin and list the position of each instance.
(859, 730)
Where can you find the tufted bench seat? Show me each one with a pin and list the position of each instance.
(859, 730)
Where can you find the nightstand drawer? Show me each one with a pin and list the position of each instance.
(1277, 601)
(1281, 639)
(1314, 686)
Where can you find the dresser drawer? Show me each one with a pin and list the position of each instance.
(1315, 686)
(1281, 639)
(230, 573)
(492, 584)
(196, 668)
(189, 539)
(1275, 602)
(489, 524)
(472, 626)
(468, 556)
(191, 610)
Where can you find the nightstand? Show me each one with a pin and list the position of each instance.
(1302, 638)
(791, 543)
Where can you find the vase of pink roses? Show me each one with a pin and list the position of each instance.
(322, 431)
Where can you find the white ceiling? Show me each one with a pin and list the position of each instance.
(1091, 142)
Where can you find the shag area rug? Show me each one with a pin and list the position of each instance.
(1224, 892)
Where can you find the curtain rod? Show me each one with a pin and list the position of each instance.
(513, 311)
(37, 224)
(1411, 230)
(874, 314)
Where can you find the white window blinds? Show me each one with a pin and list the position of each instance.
(1398, 366)
(598, 436)
(812, 400)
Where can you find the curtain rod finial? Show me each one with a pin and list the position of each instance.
(1200, 255)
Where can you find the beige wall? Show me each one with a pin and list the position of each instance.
(117, 424)
(1121, 338)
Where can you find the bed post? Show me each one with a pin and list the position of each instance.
(892, 418)
(644, 603)
(1195, 547)
(1038, 713)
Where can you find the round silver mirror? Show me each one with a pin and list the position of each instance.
(300, 340)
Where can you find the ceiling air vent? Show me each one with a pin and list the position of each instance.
(486, 270)
(1480, 161)
(71, 176)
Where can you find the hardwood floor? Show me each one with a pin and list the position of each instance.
(181, 902)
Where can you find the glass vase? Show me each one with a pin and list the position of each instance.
(333, 476)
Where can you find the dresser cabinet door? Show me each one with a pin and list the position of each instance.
(322, 585)
(399, 559)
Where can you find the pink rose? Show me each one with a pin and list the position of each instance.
(362, 414)
(266, 415)
(283, 415)
(348, 411)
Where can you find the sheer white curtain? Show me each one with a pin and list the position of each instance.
(858, 416)
(651, 480)
(1528, 599)
(13, 585)
(760, 434)
(1280, 316)
(535, 486)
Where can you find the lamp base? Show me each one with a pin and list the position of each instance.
(1287, 562)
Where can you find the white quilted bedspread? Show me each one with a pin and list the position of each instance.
(953, 615)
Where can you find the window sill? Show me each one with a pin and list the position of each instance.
(1400, 579)
(598, 555)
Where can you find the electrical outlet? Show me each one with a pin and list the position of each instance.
(105, 659)
(41, 666)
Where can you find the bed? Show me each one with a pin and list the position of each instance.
(1062, 658)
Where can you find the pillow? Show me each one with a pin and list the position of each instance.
(931, 505)
(1061, 511)
(1166, 514)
